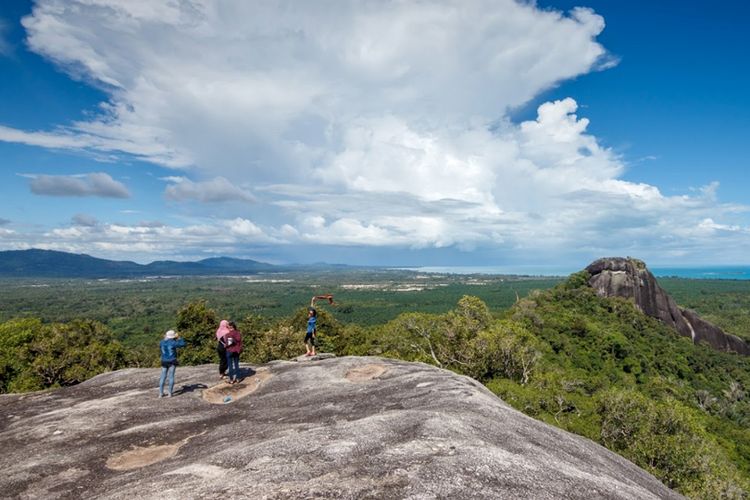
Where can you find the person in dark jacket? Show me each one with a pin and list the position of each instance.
(233, 343)
(168, 348)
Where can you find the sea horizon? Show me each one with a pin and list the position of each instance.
(688, 272)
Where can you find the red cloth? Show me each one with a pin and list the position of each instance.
(233, 341)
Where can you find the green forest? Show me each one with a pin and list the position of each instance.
(551, 348)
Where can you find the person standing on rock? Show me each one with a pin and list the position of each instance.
(233, 343)
(168, 347)
(221, 348)
(312, 318)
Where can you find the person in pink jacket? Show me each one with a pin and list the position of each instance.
(221, 348)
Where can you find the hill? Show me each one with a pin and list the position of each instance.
(37, 263)
(630, 278)
(350, 427)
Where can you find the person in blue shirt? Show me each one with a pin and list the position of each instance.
(168, 348)
(312, 318)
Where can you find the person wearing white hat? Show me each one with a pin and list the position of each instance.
(168, 347)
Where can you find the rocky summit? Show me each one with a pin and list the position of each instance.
(352, 427)
(629, 278)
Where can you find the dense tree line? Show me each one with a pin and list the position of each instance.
(594, 366)
(36, 356)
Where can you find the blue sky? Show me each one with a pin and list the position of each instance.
(441, 133)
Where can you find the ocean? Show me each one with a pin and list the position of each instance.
(705, 273)
(711, 272)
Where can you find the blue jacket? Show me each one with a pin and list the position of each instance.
(311, 324)
(168, 348)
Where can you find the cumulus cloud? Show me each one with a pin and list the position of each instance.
(126, 241)
(93, 184)
(218, 190)
(84, 220)
(256, 90)
(359, 124)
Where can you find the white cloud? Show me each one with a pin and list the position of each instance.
(217, 190)
(93, 184)
(104, 137)
(244, 228)
(259, 91)
(84, 220)
(118, 241)
(358, 124)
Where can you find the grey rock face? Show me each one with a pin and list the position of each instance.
(338, 428)
(629, 278)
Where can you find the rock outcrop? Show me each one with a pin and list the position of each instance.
(629, 278)
(336, 428)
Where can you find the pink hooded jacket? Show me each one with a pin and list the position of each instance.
(223, 329)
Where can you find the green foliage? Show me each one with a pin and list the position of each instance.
(278, 342)
(667, 439)
(35, 356)
(507, 349)
(15, 338)
(139, 310)
(197, 324)
(577, 280)
(628, 381)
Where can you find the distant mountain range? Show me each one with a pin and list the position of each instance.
(36, 263)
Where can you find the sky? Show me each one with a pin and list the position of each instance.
(437, 133)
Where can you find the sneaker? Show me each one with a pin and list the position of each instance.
(169, 395)
(161, 395)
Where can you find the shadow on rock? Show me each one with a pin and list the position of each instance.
(224, 393)
(191, 388)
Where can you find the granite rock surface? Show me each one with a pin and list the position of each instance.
(352, 427)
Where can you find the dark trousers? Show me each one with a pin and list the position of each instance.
(222, 351)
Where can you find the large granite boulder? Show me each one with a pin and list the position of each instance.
(629, 278)
(337, 428)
